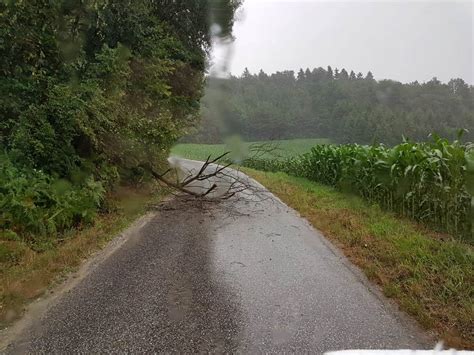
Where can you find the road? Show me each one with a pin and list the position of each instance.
(242, 275)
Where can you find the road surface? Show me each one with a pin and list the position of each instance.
(243, 275)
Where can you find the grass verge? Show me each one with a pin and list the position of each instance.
(431, 276)
(282, 148)
(27, 274)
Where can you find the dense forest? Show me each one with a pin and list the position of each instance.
(90, 92)
(336, 104)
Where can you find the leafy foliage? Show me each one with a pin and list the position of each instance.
(32, 203)
(89, 91)
(93, 80)
(424, 181)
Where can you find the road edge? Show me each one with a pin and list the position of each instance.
(36, 309)
(427, 337)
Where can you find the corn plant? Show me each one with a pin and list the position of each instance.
(430, 182)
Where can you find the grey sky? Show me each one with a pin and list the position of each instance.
(402, 40)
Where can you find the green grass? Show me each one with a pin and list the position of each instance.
(430, 275)
(283, 148)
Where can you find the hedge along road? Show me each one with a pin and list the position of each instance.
(241, 275)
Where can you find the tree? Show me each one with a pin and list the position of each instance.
(369, 76)
(246, 74)
(352, 75)
(85, 85)
(330, 73)
(343, 75)
(301, 75)
(459, 88)
(319, 74)
(262, 75)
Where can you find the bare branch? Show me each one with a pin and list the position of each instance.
(212, 180)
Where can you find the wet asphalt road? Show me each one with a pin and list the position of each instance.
(242, 275)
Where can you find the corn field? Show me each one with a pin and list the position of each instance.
(430, 182)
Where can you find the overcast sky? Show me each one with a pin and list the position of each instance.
(400, 40)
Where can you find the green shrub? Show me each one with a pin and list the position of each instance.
(34, 203)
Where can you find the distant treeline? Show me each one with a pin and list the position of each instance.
(336, 104)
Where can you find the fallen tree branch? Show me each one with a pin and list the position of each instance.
(212, 179)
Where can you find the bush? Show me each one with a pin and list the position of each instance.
(33, 203)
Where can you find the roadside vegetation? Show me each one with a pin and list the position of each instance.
(91, 93)
(28, 270)
(430, 182)
(430, 275)
(279, 148)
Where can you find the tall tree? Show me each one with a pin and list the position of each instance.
(343, 75)
(246, 74)
(262, 75)
(330, 73)
(301, 75)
